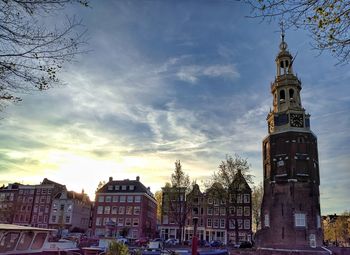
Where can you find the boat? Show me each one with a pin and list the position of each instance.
(15, 239)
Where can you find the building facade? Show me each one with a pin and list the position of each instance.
(24, 205)
(290, 212)
(8, 197)
(125, 208)
(70, 211)
(219, 217)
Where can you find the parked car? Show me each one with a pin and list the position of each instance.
(216, 243)
(204, 243)
(245, 244)
(142, 241)
(172, 241)
(158, 240)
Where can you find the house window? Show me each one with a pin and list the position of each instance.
(136, 210)
(129, 210)
(210, 211)
(239, 198)
(240, 224)
(239, 211)
(128, 222)
(130, 199)
(222, 211)
(108, 199)
(246, 211)
(216, 201)
(98, 221)
(53, 218)
(120, 222)
(222, 223)
(107, 209)
(122, 199)
(110, 187)
(67, 219)
(100, 210)
(232, 210)
(246, 224)
(216, 210)
(135, 222)
(131, 187)
(267, 220)
(209, 222)
(124, 188)
(105, 220)
(231, 224)
(114, 210)
(165, 219)
(300, 219)
(246, 198)
(137, 199)
(116, 187)
(101, 198)
(216, 223)
(115, 198)
(121, 209)
(210, 200)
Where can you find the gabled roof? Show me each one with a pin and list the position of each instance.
(47, 181)
(73, 195)
(138, 187)
(239, 182)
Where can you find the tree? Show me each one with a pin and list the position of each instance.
(257, 195)
(229, 181)
(175, 204)
(32, 53)
(336, 229)
(100, 185)
(328, 22)
(158, 197)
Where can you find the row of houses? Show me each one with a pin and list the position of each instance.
(128, 208)
(46, 205)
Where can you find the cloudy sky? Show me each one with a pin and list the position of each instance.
(172, 80)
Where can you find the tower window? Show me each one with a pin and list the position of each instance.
(267, 220)
(282, 95)
(300, 219)
(291, 93)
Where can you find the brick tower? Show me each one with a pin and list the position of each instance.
(290, 212)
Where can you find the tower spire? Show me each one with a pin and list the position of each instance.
(283, 44)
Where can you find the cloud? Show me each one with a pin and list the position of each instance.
(193, 73)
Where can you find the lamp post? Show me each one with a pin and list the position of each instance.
(194, 238)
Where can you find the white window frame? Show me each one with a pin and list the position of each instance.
(300, 220)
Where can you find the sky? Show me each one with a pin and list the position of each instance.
(172, 80)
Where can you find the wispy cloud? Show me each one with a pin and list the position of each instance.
(193, 73)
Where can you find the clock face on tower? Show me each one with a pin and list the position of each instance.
(296, 120)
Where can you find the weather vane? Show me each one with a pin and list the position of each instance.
(282, 30)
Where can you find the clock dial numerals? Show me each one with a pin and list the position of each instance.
(296, 120)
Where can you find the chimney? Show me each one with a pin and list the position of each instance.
(138, 178)
(110, 179)
(149, 188)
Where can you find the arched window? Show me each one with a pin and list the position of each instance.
(286, 63)
(282, 95)
(291, 93)
(282, 64)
